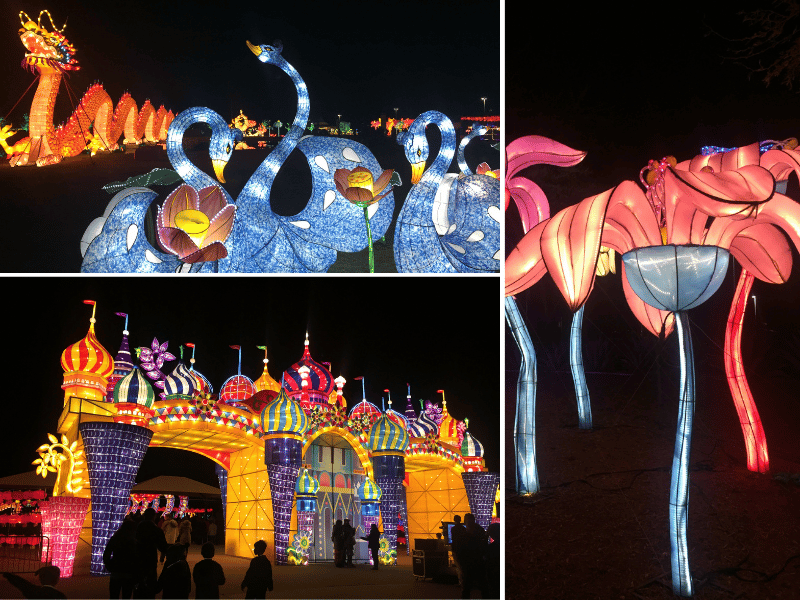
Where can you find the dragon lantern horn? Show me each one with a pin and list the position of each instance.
(53, 25)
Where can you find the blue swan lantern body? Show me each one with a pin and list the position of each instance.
(116, 242)
(448, 223)
(307, 242)
(260, 240)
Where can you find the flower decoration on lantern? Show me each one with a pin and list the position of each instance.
(361, 188)
(431, 442)
(193, 225)
(485, 169)
(434, 411)
(301, 546)
(205, 403)
(386, 554)
(51, 460)
(153, 358)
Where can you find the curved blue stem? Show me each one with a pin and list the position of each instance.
(525, 420)
(578, 375)
(679, 485)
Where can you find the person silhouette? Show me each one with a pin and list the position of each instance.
(374, 544)
(207, 574)
(258, 578)
(48, 577)
(338, 543)
(176, 577)
(348, 543)
(119, 558)
(150, 540)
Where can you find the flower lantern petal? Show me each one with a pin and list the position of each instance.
(215, 251)
(176, 241)
(525, 264)
(340, 178)
(781, 162)
(358, 195)
(382, 181)
(211, 200)
(536, 149)
(763, 250)
(656, 321)
(182, 198)
(724, 161)
(220, 226)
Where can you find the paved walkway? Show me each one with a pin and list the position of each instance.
(314, 581)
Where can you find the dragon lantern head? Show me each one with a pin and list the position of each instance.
(46, 48)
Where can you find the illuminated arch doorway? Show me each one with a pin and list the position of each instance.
(334, 456)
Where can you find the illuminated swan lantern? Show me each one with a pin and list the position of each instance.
(259, 240)
(471, 242)
(116, 242)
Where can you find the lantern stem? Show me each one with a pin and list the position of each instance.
(525, 419)
(578, 374)
(679, 485)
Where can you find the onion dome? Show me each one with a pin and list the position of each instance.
(365, 407)
(201, 382)
(397, 418)
(423, 425)
(180, 382)
(236, 389)
(470, 446)
(448, 428)
(123, 362)
(307, 484)
(320, 380)
(388, 437)
(134, 389)
(369, 491)
(284, 416)
(266, 381)
(87, 364)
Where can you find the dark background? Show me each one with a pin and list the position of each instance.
(434, 333)
(359, 59)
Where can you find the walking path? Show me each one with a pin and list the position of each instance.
(320, 580)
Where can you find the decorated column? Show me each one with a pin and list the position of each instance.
(388, 442)
(114, 452)
(370, 495)
(284, 423)
(306, 494)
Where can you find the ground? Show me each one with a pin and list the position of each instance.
(599, 526)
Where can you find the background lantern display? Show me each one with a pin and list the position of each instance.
(389, 442)
(284, 423)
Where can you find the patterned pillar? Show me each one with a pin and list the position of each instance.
(114, 452)
(481, 488)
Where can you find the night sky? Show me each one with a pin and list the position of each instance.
(359, 59)
(434, 333)
(626, 87)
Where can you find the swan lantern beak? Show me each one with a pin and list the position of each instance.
(254, 49)
(417, 169)
(219, 166)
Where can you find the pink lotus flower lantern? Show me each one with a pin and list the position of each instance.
(193, 225)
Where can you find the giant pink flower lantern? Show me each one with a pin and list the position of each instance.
(675, 238)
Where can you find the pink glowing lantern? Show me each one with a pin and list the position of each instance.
(62, 519)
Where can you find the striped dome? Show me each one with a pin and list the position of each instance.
(387, 436)
(470, 446)
(123, 361)
(284, 415)
(201, 382)
(448, 428)
(369, 491)
(135, 389)
(320, 381)
(237, 388)
(180, 382)
(422, 426)
(397, 418)
(88, 356)
(307, 484)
